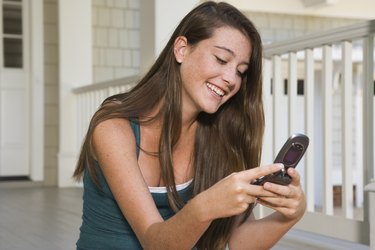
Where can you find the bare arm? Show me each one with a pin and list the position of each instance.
(289, 205)
(115, 148)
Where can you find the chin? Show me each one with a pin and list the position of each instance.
(211, 107)
(211, 110)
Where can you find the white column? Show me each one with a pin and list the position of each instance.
(75, 69)
(37, 90)
(159, 18)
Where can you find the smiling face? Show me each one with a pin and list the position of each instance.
(212, 70)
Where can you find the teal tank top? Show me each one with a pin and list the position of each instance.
(103, 224)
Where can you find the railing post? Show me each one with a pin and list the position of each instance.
(309, 129)
(277, 93)
(327, 68)
(370, 188)
(347, 130)
(368, 114)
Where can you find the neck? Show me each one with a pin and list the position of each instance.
(189, 120)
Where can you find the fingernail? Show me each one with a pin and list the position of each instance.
(267, 185)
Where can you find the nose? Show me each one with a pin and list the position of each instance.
(230, 76)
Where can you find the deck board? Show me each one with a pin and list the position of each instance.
(33, 217)
(39, 218)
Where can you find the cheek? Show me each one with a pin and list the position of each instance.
(237, 87)
(190, 67)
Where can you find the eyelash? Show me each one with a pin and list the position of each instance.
(221, 61)
(242, 75)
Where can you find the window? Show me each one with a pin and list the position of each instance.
(12, 34)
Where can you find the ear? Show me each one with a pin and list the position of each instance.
(180, 48)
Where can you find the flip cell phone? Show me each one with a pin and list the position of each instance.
(289, 155)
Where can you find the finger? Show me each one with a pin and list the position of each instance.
(288, 207)
(273, 203)
(276, 200)
(280, 190)
(295, 176)
(258, 172)
(277, 207)
(259, 191)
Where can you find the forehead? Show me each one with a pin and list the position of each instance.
(232, 39)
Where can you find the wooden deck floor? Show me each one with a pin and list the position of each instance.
(39, 218)
(33, 217)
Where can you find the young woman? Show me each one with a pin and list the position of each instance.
(169, 165)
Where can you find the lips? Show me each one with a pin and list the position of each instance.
(218, 91)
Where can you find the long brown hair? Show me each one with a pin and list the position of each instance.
(227, 141)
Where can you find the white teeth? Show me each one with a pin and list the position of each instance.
(215, 89)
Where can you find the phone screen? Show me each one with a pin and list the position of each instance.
(293, 154)
(290, 154)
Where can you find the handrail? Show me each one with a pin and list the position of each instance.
(317, 39)
(101, 85)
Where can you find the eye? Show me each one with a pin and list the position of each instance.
(241, 74)
(221, 61)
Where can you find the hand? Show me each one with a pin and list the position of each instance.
(289, 200)
(233, 194)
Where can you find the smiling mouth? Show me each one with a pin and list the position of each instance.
(219, 92)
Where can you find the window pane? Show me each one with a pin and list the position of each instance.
(12, 19)
(12, 53)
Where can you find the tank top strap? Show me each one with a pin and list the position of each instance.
(137, 133)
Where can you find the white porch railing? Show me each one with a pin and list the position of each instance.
(91, 96)
(321, 85)
(335, 72)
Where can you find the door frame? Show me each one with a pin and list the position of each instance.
(33, 64)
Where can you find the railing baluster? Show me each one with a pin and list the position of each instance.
(96, 101)
(327, 130)
(91, 96)
(267, 156)
(309, 128)
(92, 102)
(347, 130)
(292, 91)
(368, 115)
(277, 92)
(267, 150)
(80, 113)
(85, 110)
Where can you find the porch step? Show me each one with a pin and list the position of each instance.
(296, 240)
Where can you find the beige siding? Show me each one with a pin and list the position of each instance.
(116, 39)
(277, 27)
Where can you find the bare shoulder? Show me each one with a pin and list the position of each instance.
(113, 136)
(114, 125)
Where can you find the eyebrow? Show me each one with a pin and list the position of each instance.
(226, 49)
(229, 50)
